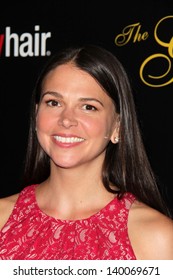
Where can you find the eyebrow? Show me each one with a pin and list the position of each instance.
(82, 99)
(54, 93)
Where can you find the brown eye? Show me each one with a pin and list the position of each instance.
(89, 107)
(52, 103)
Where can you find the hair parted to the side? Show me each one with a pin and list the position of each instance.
(126, 164)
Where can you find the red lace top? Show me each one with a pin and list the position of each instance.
(30, 234)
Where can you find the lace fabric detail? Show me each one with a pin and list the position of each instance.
(30, 234)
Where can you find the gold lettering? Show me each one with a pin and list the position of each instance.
(138, 36)
(162, 83)
(123, 38)
(132, 32)
(145, 36)
(168, 45)
(150, 59)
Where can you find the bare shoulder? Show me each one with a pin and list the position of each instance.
(150, 233)
(6, 207)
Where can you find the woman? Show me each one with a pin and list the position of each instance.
(89, 190)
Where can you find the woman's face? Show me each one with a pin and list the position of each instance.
(75, 118)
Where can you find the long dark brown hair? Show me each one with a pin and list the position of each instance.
(126, 164)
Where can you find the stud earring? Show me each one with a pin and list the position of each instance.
(116, 139)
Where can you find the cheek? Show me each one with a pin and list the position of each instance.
(43, 121)
(96, 127)
(43, 124)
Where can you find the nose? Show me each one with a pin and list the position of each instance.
(67, 119)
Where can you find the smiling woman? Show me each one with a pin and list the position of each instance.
(74, 117)
(89, 191)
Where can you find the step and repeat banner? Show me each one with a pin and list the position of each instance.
(140, 35)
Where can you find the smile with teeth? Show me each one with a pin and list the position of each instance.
(68, 139)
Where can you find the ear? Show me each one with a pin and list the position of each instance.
(115, 135)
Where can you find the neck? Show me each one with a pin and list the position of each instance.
(76, 181)
(73, 193)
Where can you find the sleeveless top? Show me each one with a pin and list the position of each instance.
(30, 234)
